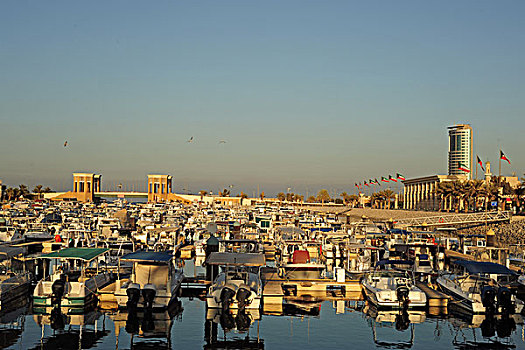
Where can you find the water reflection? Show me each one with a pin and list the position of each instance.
(233, 323)
(314, 322)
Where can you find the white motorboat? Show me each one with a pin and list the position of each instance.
(154, 282)
(389, 288)
(481, 288)
(74, 280)
(239, 285)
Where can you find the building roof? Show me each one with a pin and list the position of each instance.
(148, 256)
(86, 254)
(236, 259)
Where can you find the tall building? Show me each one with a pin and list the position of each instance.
(460, 154)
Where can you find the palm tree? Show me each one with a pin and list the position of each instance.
(24, 191)
(12, 193)
(388, 195)
(344, 195)
(444, 191)
(375, 200)
(475, 189)
(323, 196)
(519, 192)
(262, 195)
(203, 193)
(459, 191)
(281, 196)
(311, 199)
(38, 190)
(353, 198)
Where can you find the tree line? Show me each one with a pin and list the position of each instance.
(474, 195)
(22, 191)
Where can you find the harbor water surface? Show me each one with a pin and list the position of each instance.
(329, 324)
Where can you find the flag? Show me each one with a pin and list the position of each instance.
(371, 182)
(502, 156)
(384, 179)
(367, 185)
(377, 182)
(400, 177)
(480, 163)
(391, 178)
(463, 168)
(356, 185)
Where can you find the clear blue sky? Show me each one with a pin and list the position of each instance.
(307, 94)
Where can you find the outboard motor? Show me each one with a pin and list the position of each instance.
(488, 296)
(505, 300)
(133, 292)
(402, 295)
(227, 295)
(243, 295)
(58, 289)
(148, 293)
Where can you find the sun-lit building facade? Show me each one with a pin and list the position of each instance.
(460, 154)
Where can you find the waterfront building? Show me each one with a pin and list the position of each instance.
(420, 193)
(460, 154)
(159, 187)
(84, 187)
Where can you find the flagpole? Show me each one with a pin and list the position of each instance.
(477, 169)
(499, 172)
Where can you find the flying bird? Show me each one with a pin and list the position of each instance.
(65, 144)
(222, 141)
(190, 140)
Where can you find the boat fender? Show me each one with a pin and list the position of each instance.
(488, 296)
(227, 295)
(243, 296)
(133, 293)
(148, 293)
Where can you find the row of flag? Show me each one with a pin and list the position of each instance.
(383, 179)
(464, 168)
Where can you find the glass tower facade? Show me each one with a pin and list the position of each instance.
(460, 149)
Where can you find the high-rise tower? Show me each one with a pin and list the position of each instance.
(460, 150)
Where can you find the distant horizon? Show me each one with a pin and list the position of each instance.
(299, 94)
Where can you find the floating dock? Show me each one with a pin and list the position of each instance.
(435, 298)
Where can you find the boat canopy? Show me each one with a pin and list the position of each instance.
(7, 253)
(482, 267)
(146, 256)
(86, 254)
(236, 259)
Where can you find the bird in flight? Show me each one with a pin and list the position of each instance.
(222, 141)
(65, 144)
(190, 140)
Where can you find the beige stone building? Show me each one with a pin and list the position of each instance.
(420, 193)
(84, 187)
